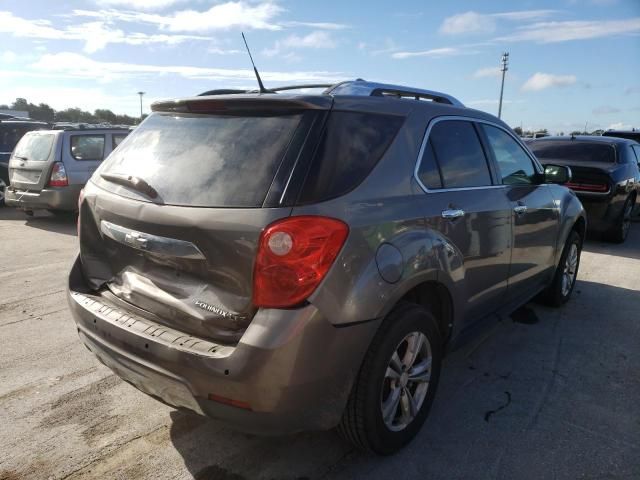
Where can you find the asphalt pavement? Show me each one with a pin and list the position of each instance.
(555, 394)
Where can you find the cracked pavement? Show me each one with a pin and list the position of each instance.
(554, 398)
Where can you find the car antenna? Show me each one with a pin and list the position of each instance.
(260, 84)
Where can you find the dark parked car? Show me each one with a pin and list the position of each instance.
(286, 262)
(605, 177)
(630, 134)
(11, 131)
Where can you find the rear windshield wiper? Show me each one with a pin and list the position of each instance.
(130, 181)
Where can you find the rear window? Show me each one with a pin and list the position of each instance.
(351, 145)
(205, 160)
(34, 147)
(574, 150)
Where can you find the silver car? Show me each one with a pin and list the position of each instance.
(285, 262)
(48, 168)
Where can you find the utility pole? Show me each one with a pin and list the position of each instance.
(141, 94)
(505, 67)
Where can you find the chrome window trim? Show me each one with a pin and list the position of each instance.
(425, 139)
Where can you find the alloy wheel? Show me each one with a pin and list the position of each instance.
(626, 218)
(570, 270)
(406, 381)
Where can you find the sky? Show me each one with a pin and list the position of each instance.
(572, 62)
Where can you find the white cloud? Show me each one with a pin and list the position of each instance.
(468, 22)
(487, 72)
(317, 39)
(317, 25)
(21, 27)
(605, 110)
(474, 22)
(551, 32)
(90, 98)
(138, 4)
(434, 53)
(540, 81)
(95, 35)
(223, 16)
(8, 57)
(78, 66)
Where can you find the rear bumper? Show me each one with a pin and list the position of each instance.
(60, 198)
(291, 367)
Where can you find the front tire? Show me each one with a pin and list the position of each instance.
(564, 280)
(396, 385)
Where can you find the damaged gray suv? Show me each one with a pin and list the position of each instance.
(284, 262)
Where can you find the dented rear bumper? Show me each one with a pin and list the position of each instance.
(291, 371)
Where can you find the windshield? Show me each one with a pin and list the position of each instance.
(35, 147)
(204, 160)
(574, 150)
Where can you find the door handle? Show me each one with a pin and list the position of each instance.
(520, 209)
(452, 214)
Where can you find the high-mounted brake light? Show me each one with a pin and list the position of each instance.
(294, 255)
(58, 176)
(588, 187)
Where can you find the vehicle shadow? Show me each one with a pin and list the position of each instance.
(60, 223)
(629, 249)
(545, 393)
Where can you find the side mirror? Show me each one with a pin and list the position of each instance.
(557, 174)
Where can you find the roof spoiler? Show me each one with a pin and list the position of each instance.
(357, 87)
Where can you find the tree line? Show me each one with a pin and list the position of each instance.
(45, 113)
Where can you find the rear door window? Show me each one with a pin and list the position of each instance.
(205, 160)
(351, 145)
(428, 171)
(116, 138)
(87, 147)
(34, 147)
(516, 168)
(459, 154)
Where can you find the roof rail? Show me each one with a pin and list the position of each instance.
(87, 126)
(362, 87)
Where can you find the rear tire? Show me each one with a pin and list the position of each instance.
(3, 186)
(564, 280)
(620, 230)
(399, 375)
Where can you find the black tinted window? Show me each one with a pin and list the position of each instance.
(205, 160)
(515, 165)
(459, 154)
(573, 150)
(87, 147)
(428, 172)
(350, 147)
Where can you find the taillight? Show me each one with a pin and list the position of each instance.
(588, 187)
(58, 176)
(293, 257)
